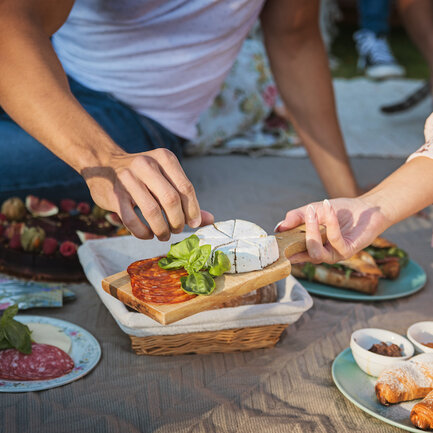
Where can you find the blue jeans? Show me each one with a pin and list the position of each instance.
(374, 15)
(27, 167)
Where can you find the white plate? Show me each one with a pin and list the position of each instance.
(85, 352)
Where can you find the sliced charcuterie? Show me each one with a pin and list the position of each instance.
(151, 283)
(45, 362)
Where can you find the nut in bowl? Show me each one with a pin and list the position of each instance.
(367, 345)
(421, 335)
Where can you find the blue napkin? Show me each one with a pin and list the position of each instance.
(28, 294)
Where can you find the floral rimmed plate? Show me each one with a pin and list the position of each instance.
(358, 387)
(85, 351)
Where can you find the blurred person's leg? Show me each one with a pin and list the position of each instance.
(417, 16)
(374, 16)
(375, 55)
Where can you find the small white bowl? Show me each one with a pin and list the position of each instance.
(373, 363)
(421, 332)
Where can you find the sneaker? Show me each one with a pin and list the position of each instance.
(375, 56)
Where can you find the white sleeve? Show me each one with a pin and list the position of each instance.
(427, 148)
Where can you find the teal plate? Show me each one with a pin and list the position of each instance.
(358, 387)
(412, 278)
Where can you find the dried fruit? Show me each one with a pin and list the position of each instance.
(15, 242)
(40, 207)
(114, 219)
(32, 238)
(13, 209)
(83, 208)
(86, 236)
(49, 246)
(14, 229)
(67, 205)
(98, 212)
(68, 249)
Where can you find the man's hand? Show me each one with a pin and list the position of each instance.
(351, 225)
(156, 183)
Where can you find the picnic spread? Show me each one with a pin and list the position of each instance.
(292, 384)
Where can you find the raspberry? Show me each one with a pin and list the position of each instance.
(49, 246)
(2, 229)
(68, 249)
(83, 208)
(2, 218)
(15, 242)
(66, 205)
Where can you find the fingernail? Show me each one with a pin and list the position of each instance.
(195, 223)
(326, 204)
(278, 225)
(310, 214)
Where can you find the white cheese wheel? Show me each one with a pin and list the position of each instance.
(44, 333)
(247, 230)
(247, 245)
(225, 227)
(268, 249)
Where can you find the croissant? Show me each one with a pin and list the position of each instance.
(422, 413)
(406, 380)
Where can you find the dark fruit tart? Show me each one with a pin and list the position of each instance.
(39, 240)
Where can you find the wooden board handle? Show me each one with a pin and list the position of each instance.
(293, 241)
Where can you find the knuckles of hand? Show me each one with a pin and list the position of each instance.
(171, 200)
(143, 162)
(151, 211)
(164, 155)
(186, 188)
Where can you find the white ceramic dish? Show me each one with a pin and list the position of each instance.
(85, 351)
(373, 363)
(421, 332)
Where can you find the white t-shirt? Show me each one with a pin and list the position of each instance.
(166, 59)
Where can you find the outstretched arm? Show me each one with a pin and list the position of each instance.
(300, 66)
(34, 91)
(352, 224)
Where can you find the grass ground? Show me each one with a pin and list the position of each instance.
(406, 53)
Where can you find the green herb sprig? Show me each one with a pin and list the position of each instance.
(14, 334)
(382, 253)
(188, 254)
(309, 270)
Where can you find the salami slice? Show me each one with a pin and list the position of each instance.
(150, 283)
(45, 362)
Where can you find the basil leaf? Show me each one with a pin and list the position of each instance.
(309, 270)
(14, 333)
(4, 344)
(198, 259)
(18, 335)
(198, 283)
(220, 264)
(9, 314)
(183, 249)
(171, 263)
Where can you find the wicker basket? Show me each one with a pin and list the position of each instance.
(229, 340)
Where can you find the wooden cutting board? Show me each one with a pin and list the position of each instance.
(228, 286)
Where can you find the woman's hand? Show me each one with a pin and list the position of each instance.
(156, 183)
(351, 225)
